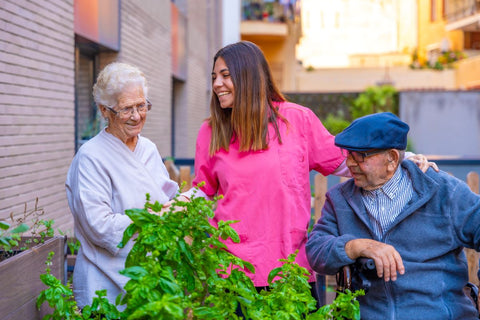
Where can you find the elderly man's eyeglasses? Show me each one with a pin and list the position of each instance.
(128, 111)
(360, 156)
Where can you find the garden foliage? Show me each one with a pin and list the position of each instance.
(30, 221)
(374, 99)
(179, 269)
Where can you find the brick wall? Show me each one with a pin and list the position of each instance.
(146, 42)
(194, 97)
(36, 106)
(37, 95)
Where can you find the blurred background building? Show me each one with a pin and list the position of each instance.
(275, 27)
(351, 44)
(52, 50)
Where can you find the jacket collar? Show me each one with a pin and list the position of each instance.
(424, 188)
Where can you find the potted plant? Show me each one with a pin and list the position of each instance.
(22, 261)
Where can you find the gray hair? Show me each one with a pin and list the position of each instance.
(113, 79)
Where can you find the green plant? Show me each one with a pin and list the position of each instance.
(345, 306)
(179, 269)
(375, 99)
(60, 298)
(438, 61)
(335, 124)
(11, 233)
(9, 236)
(169, 277)
(72, 243)
(289, 296)
(101, 308)
(40, 230)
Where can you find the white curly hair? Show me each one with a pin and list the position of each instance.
(113, 79)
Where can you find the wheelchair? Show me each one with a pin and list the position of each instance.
(359, 274)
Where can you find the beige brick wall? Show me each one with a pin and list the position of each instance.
(36, 106)
(203, 41)
(37, 96)
(145, 42)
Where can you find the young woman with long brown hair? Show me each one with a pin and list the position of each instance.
(257, 149)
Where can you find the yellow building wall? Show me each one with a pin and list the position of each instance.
(280, 54)
(431, 33)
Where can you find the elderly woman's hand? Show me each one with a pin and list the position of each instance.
(167, 207)
(423, 163)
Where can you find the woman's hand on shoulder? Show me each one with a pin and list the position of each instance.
(422, 162)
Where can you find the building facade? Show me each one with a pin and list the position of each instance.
(424, 44)
(276, 28)
(357, 33)
(50, 54)
(463, 17)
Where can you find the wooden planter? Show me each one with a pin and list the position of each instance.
(20, 279)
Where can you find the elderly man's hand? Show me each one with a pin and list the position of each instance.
(387, 260)
(423, 163)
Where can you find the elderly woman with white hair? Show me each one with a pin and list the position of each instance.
(110, 173)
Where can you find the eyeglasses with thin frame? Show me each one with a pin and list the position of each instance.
(360, 156)
(127, 111)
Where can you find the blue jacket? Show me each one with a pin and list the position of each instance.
(430, 233)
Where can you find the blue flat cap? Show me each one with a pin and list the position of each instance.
(375, 131)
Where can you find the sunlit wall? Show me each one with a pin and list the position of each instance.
(333, 31)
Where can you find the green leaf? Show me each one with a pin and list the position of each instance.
(169, 286)
(135, 272)
(140, 216)
(185, 250)
(4, 225)
(128, 234)
(20, 228)
(248, 266)
(273, 274)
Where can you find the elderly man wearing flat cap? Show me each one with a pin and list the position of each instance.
(413, 225)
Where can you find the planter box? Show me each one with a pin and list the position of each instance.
(20, 279)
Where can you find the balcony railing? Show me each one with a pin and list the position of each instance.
(270, 10)
(460, 9)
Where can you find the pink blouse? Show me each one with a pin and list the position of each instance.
(268, 190)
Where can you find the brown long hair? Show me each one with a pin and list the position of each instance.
(253, 110)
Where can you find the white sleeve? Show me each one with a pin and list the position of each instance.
(196, 192)
(342, 170)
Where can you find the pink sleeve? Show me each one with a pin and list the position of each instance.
(204, 170)
(324, 156)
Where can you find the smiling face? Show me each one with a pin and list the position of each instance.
(126, 127)
(222, 84)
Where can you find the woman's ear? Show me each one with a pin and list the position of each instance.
(104, 111)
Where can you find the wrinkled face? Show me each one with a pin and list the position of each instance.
(372, 173)
(222, 84)
(126, 126)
